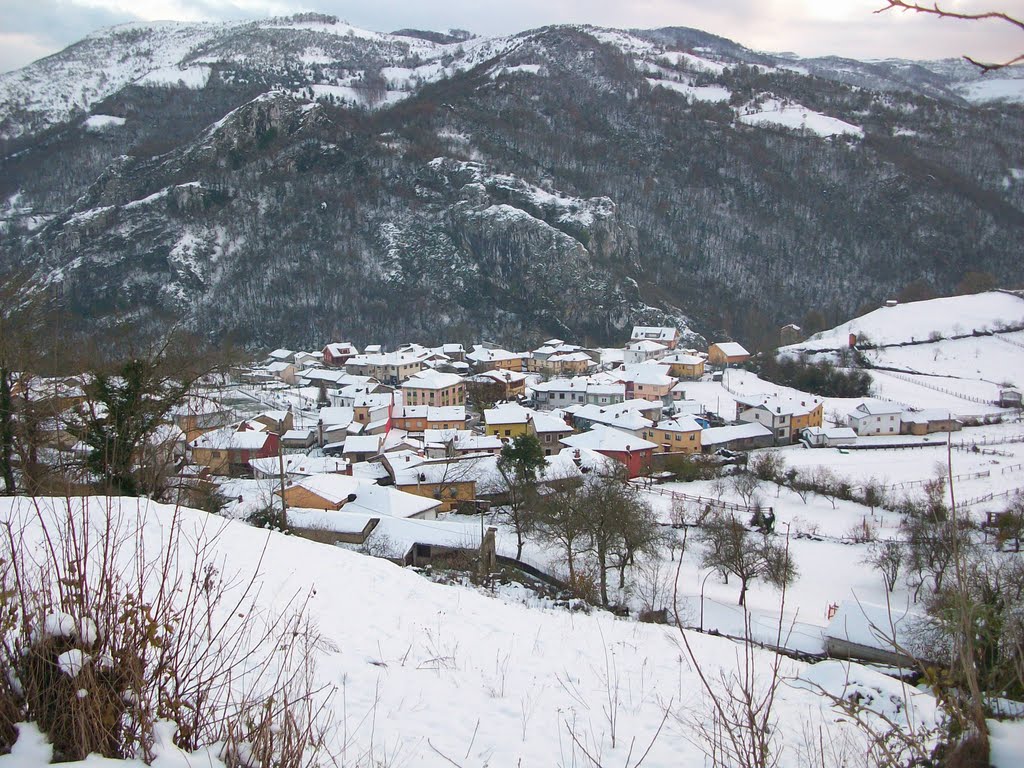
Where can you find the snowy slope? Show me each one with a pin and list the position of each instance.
(429, 675)
(920, 320)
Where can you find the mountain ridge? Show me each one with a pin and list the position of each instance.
(294, 182)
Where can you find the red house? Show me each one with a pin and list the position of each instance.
(629, 450)
(337, 354)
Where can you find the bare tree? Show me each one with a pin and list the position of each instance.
(731, 548)
(746, 485)
(887, 557)
(934, 9)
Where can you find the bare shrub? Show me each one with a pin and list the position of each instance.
(106, 632)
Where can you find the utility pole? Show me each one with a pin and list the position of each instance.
(280, 463)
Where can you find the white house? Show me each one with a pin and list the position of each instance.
(873, 417)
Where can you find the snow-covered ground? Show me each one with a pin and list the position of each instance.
(429, 675)
(923, 320)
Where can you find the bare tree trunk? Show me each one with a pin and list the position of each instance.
(6, 432)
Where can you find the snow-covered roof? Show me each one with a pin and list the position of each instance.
(484, 355)
(719, 435)
(507, 413)
(602, 438)
(731, 349)
(781, 404)
(546, 422)
(656, 375)
(872, 625)
(229, 438)
(334, 416)
(614, 415)
(370, 498)
(656, 333)
(876, 408)
(363, 443)
(681, 358)
(679, 424)
(927, 415)
(461, 469)
(431, 379)
(341, 348)
(646, 345)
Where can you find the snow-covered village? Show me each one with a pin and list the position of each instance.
(561, 555)
(530, 385)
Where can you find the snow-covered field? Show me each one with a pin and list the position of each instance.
(428, 675)
(923, 320)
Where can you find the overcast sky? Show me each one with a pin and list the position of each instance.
(30, 29)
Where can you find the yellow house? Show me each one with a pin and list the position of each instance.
(514, 382)
(430, 387)
(680, 435)
(685, 366)
(417, 418)
(727, 353)
(507, 420)
(484, 359)
(809, 414)
(447, 481)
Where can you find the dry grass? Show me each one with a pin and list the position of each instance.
(105, 634)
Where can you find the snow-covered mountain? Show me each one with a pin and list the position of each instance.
(288, 178)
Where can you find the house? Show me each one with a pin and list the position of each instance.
(448, 480)
(737, 437)
(298, 465)
(304, 360)
(727, 353)
(572, 363)
(642, 351)
(434, 388)
(558, 393)
(647, 382)
(279, 421)
(622, 416)
(507, 420)
(338, 353)
(785, 416)
(605, 394)
(678, 435)
(419, 418)
(388, 368)
(684, 366)
(362, 447)
(285, 371)
(667, 336)
(512, 383)
(354, 494)
(874, 417)
(298, 440)
(200, 414)
(549, 430)
(439, 443)
(827, 437)
(633, 452)
(1009, 398)
(790, 334)
(227, 451)
(929, 421)
(281, 356)
(487, 359)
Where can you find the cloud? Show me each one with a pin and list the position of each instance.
(808, 27)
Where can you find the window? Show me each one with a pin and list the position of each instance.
(547, 438)
(508, 432)
(693, 437)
